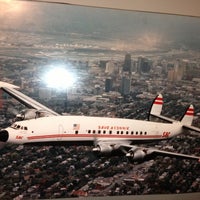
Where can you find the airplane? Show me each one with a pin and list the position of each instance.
(108, 135)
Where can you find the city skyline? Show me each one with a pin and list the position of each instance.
(121, 30)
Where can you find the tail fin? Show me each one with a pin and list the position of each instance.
(157, 105)
(188, 116)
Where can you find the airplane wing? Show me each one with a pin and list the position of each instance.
(25, 100)
(137, 153)
(141, 153)
(173, 154)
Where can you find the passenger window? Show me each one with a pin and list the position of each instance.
(141, 132)
(104, 132)
(117, 132)
(110, 132)
(99, 131)
(89, 131)
(136, 133)
(122, 132)
(93, 131)
(76, 132)
(132, 132)
(126, 132)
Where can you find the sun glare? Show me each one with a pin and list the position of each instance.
(11, 6)
(59, 78)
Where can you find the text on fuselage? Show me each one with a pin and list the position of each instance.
(113, 128)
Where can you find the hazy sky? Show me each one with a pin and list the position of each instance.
(123, 27)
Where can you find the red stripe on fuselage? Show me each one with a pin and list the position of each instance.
(38, 137)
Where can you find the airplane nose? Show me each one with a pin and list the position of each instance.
(4, 136)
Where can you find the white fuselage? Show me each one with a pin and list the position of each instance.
(87, 129)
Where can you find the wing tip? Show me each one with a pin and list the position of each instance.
(8, 85)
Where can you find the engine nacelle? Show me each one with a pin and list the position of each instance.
(26, 114)
(31, 114)
(103, 149)
(136, 155)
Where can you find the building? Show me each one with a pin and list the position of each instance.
(108, 85)
(125, 86)
(110, 68)
(127, 66)
(45, 93)
(176, 72)
(144, 65)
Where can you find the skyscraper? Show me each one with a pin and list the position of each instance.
(127, 63)
(110, 68)
(144, 65)
(125, 86)
(108, 84)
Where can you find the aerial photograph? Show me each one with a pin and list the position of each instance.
(97, 102)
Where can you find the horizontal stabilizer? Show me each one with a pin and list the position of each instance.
(192, 128)
(167, 119)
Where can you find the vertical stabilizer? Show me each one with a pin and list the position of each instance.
(188, 116)
(157, 105)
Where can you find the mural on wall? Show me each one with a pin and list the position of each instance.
(97, 62)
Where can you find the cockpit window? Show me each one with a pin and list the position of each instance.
(14, 126)
(17, 126)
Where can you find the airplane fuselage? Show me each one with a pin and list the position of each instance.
(87, 129)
